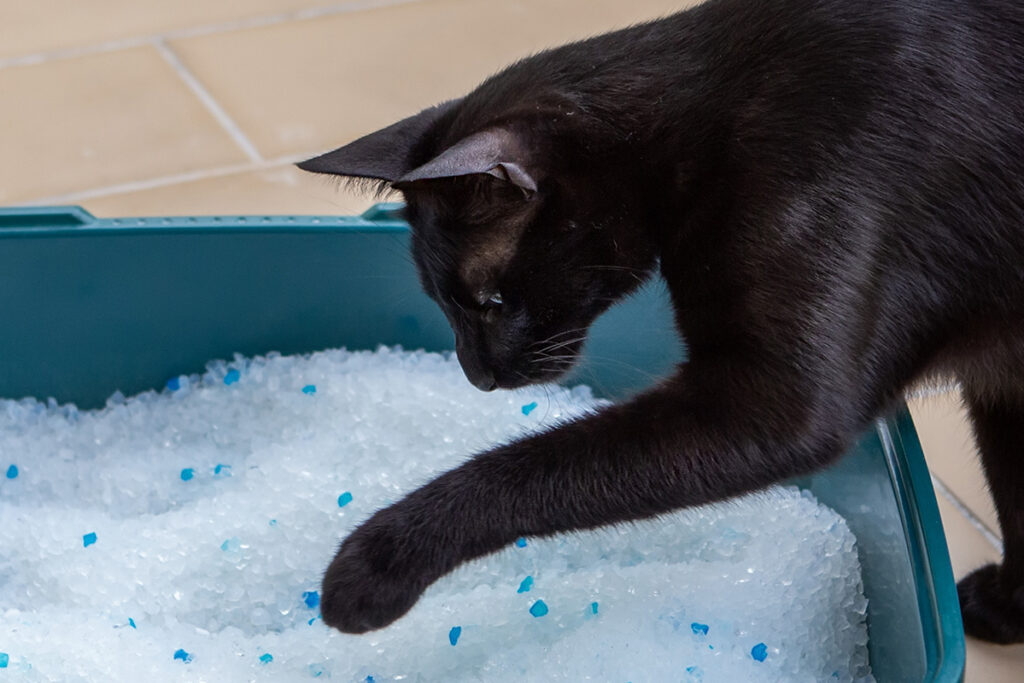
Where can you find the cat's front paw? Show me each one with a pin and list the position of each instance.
(372, 581)
(991, 609)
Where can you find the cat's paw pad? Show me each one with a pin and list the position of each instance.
(366, 587)
(992, 610)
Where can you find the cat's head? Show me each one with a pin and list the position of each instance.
(522, 231)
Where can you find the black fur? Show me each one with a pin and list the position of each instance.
(833, 191)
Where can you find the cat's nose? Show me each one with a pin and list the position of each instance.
(484, 382)
(476, 370)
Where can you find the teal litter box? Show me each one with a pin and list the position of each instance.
(89, 306)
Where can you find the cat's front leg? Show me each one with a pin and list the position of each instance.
(664, 450)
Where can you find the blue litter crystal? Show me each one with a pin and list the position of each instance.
(232, 544)
(369, 679)
(131, 622)
(187, 473)
(182, 655)
(453, 635)
(310, 622)
(525, 585)
(3, 660)
(759, 652)
(12, 472)
(309, 389)
(273, 522)
(222, 470)
(344, 499)
(174, 384)
(593, 608)
(232, 377)
(528, 408)
(88, 539)
(266, 658)
(316, 670)
(695, 672)
(311, 598)
(521, 542)
(699, 629)
(539, 609)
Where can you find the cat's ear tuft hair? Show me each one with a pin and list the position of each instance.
(496, 152)
(383, 155)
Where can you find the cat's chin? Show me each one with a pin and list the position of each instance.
(545, 376)
(518, 383)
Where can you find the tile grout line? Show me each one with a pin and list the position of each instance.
(195, 31)
(163, 181)
(966, 512)
(197, 88)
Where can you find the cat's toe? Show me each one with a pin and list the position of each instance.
(991, 609)
(362, 589)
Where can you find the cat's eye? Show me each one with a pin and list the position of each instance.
(490, 303)
(488, 298)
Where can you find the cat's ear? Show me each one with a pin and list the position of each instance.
(383, 155)
(496, 152)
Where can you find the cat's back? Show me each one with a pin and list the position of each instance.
(911, 111)
(944, 131)
(893, 125)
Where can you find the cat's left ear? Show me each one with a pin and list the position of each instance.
(382, 155)
(497, 152)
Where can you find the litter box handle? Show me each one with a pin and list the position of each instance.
(385, 212)
(44, 217)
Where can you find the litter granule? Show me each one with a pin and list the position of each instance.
(181, 536)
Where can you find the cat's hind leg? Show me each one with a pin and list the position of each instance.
(992, 597)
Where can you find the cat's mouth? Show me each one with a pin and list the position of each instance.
(537, 374)
(544, 362)
(548, 371)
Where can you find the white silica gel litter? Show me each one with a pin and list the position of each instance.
(182, 535)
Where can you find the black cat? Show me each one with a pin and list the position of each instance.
(833, 191)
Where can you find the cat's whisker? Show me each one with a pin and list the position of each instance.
(548, 356)
(553, 371)
(554, 337)
(554, 353)
(457, 304)
(554, 350)
(557, 362)
(610, 267)
(560, 344)
(624, 364)
(638, 274)
(566, 342)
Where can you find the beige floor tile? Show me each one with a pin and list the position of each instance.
(277, 190)
(100, 120)
(310, 85)
(948, 444)
(987, 663)
(36, 26)
(968, 549)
